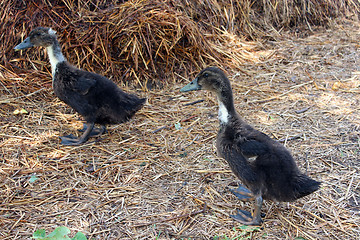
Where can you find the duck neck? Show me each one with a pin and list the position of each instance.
(55, 55)
(226, 107)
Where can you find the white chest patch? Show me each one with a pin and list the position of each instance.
(223, 113)
(54, 59)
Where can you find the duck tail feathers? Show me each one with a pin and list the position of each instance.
(139, 103)
(305, 186)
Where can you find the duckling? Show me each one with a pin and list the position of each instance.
(263, 165)
(95, 97)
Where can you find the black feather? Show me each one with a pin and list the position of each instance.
(251, 148)
(95, 97)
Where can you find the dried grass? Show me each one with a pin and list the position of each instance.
(144, 42)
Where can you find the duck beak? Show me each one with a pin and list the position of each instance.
(193, 86)
(25, 44)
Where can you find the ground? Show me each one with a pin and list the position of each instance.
(158, 176)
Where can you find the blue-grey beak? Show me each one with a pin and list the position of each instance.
(25, 44)
(193, 86)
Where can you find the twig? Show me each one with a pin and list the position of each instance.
(183, 120)
(281, 95)
(172, 218)
(159, 129)
(24, 96)
(290, 138)
(17, 221)
(195, 102)
(321, 219)
(187, 119)
(302, 110)
(297, 228)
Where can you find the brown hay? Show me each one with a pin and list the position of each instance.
(145, 42)
(137, 41)
(258, 19)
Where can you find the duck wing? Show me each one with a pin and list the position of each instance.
(241, 167)
(82, 85)
(252, 147)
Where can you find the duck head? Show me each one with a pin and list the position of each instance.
(212, 79)
(41, 36)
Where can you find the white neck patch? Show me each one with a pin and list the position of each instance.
(51, 32)
(223, 113)
(54, 58)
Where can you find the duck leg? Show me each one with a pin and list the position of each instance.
(246, 218)
(242, 193)
(71, 140)
(95, 132)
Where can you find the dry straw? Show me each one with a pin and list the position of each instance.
(146, 41)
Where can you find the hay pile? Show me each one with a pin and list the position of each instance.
(147, 42)
(259, 19)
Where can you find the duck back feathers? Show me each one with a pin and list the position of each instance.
(95, 97)
(264, 165)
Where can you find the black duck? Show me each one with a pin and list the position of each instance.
(263, 165)
(95, 97)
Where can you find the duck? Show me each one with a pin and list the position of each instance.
(96, 98)
(265, 167)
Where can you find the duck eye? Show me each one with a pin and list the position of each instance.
(206, 74)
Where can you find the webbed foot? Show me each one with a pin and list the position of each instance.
(95, 131)
(242, 193)
(71, 140)
(245, 218)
